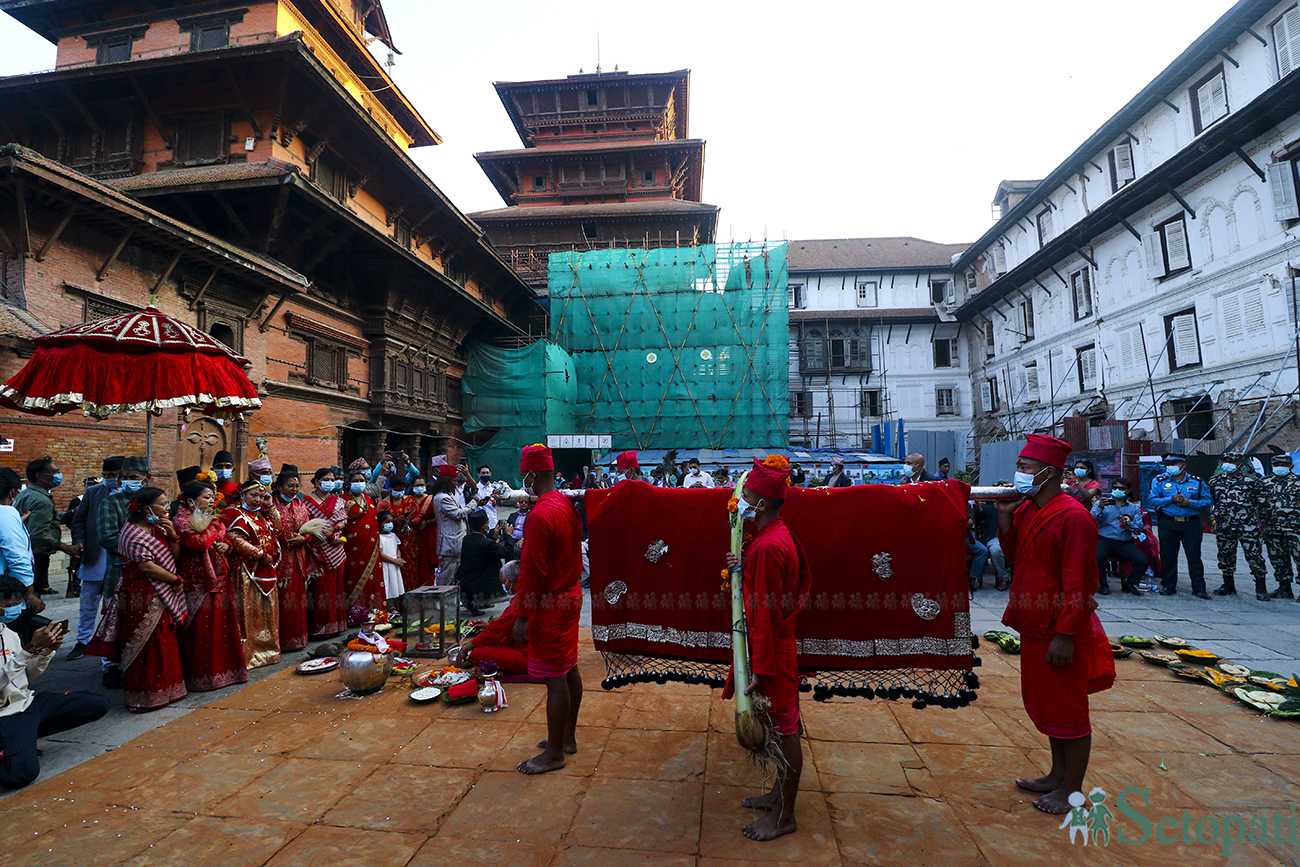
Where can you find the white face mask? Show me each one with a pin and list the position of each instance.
(1229, 468)
(747, 511)
(418, 490)
(1281, 471)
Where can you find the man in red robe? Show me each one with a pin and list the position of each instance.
(776, 585)
(1064, 654)
(548, 600)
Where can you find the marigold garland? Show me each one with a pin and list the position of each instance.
(733, 505)
(776, 462)
(358, 644)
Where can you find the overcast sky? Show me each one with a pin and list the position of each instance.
(822, 119)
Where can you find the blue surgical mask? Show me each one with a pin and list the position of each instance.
(266, 479)
(56, 481)
(1119, 493)
(1026, 485)
(397, 495)
(388, 527)
(1229, 468)
(224, 475)
(152, 518)
(287, 498)
(252, 508)
(336, 486)
(357, 487)
(130, 486)
(419, 490)
(1080, 472)
(1281, 471)
(1174, 469)
(12, 612)
(747, 511)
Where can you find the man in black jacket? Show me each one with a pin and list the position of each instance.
(838, 478)
(481, 556)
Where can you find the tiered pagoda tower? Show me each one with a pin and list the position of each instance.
(607, 161)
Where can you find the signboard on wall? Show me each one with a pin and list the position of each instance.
(7, 445)
(579, 441)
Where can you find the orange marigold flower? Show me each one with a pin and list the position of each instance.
(725, 574)
(733, 504)
(776, 462)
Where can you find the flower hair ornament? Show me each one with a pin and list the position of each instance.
(133, 507)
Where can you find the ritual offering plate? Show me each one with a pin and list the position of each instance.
(404, 666)
(1135, 641)
(1234, 670)
(1120, 651)
(1204, 657)
(1267, 682)
(1190, 672)
(1225, 682)
(1171, 642)
(383, 627)
(425, 693)
(1156, 658)
(1269, 702)
(318, 666)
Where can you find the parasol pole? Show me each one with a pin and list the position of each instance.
(148, 438)
(979, 493)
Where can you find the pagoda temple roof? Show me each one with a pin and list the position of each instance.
(647, 207)
(680, 79)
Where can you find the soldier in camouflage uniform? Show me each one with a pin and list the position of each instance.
(1238, 500)
(1281, 520)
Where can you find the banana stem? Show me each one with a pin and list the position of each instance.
(739, 631)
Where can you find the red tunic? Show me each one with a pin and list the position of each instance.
(408, 510)
(776, 584)
(363, 576)
(548, 592)
(1054, 553)
(497, 644)
(295, 564)
(212, 651)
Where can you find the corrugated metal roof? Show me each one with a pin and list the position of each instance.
(849, 254)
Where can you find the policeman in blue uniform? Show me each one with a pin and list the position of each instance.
(1177, 499)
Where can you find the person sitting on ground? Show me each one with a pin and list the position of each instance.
(497, 643)
(24, 715)
(481, 556)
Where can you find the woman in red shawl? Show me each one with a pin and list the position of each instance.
(212, 653)
(426, 527)
(326, 614)
(295, 559)
(139, 630)
(406, 512)
(363, 577)
(254, 572)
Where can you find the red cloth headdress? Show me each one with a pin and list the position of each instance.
(1047, 450)
(628, 461)
(446, 472)
(535, 459)
(769, 478)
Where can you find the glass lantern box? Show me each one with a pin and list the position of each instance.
(431, 621)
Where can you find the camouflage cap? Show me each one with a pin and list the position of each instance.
(1233, 457)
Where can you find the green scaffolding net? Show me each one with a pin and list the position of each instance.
(521, 394)
(682, 347)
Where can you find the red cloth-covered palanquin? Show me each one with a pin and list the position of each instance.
(888, 611)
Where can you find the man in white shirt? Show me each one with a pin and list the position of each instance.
(25, 716)
(694, 478)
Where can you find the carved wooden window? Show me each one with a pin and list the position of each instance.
(202, 139)
(326, 363)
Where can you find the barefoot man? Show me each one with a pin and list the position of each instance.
(776, 584)
(1064, 655)
(548, 600)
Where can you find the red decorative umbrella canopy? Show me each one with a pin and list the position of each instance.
(127, 363)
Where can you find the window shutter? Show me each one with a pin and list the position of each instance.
(999, 259)
(986, 396)
(1230, 305)
(1186, 349)
(1281, 181)
(1252, 305)
(1128, 350)
(1124, 162)
(1045, 226)
(1154, 256)
(954, 401)
(1031, 384)
(1212, 100)
(1176, 245)
(1088, 367)
(1286, 38)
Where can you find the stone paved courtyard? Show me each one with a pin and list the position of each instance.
(282, 771)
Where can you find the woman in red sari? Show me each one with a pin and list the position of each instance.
(295, 559)
(140, 629)
(406, 513)
(326, 614)
(212, 652)
(363, 577)
(426, 526)
(254, 573)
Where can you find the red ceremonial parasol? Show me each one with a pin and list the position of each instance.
(136, 361)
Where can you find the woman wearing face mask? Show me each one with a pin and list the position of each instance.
(426, 529)
(363, 575)
(254, 574)
(147, 611)
(295, 559)
(1082, 481)
(405, 512)
(326, 614)
(212, 654)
